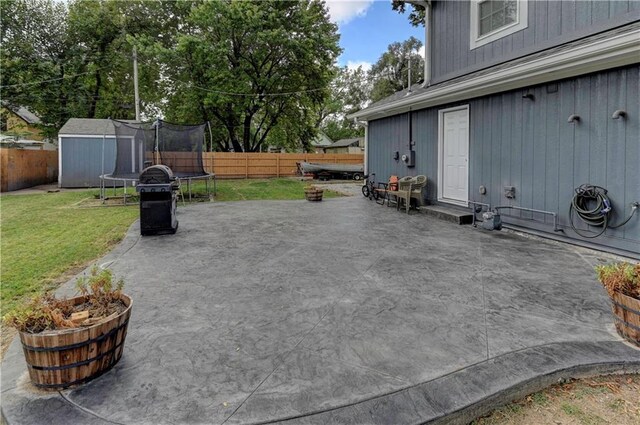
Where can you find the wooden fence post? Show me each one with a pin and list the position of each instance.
(277, 165)
(246, 166)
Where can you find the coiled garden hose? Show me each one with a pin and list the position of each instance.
(592, 205)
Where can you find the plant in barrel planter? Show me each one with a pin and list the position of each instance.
(622, 282)
(71, 341)
(312, 193)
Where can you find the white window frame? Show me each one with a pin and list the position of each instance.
(475, 40)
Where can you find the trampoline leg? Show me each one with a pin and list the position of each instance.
(181, 192)
(189, 188)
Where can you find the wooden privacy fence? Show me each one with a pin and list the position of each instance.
(257, 165)
(21, 168)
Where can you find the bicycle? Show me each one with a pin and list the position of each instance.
(369, 187)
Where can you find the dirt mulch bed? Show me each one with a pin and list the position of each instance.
(611, 399)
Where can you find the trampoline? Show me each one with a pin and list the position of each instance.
(135, 150)
(180, 148)
(140, 145)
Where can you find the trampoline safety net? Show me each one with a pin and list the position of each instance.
(135, 145)
(180, 148)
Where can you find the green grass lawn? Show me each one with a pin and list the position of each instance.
(45, 236)
(274, 189)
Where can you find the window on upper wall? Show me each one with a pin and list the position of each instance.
(494, 19)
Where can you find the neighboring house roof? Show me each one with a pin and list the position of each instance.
(28, 116)
(89, 127)
(345, 143)
(605, 50)
(321, 140)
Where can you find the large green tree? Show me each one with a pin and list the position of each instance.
(251, 66)
(259, 71)
(390, 72)
(350, 92)
(73, 59)
(36, 57)
(417, 14)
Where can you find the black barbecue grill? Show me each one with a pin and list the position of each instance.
(158, 189)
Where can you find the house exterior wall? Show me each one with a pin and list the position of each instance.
(15, 124)
(529, 144)
(81, 160)
(550, 23)
(387, 136)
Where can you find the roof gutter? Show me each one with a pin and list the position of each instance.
(602, 54)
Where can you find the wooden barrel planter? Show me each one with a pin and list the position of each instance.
(313, 194)
(627, 315)
(63, 358)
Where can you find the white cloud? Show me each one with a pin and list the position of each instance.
(353, 65)
(343, 11)
(421, 51)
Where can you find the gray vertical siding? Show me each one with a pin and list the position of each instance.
(391, 135)
(82, 160)
(550, 23)
(529, 144)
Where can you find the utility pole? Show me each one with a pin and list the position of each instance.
(135, 82)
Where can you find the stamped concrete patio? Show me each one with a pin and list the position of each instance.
(335, 312)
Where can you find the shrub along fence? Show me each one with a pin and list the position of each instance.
(259, 165)
(21, 168)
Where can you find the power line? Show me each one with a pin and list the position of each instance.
(51, 80)
(254, 94)
(289, 93)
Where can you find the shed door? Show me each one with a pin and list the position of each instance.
(454, 155)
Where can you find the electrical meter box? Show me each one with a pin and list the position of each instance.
(409, 158)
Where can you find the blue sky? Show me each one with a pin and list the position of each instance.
(367, 27)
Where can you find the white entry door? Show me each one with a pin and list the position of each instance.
(453, 161)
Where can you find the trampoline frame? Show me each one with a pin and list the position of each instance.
(124, 180)
(207, 178)
(156, 155)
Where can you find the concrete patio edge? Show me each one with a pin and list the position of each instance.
(469, 393)
(456, 398)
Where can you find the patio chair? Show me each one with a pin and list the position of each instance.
(394, 195)
(410, 188)
(385, 190)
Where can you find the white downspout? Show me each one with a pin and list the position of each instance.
(427, 44)
(365, 124)
(366, 146)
